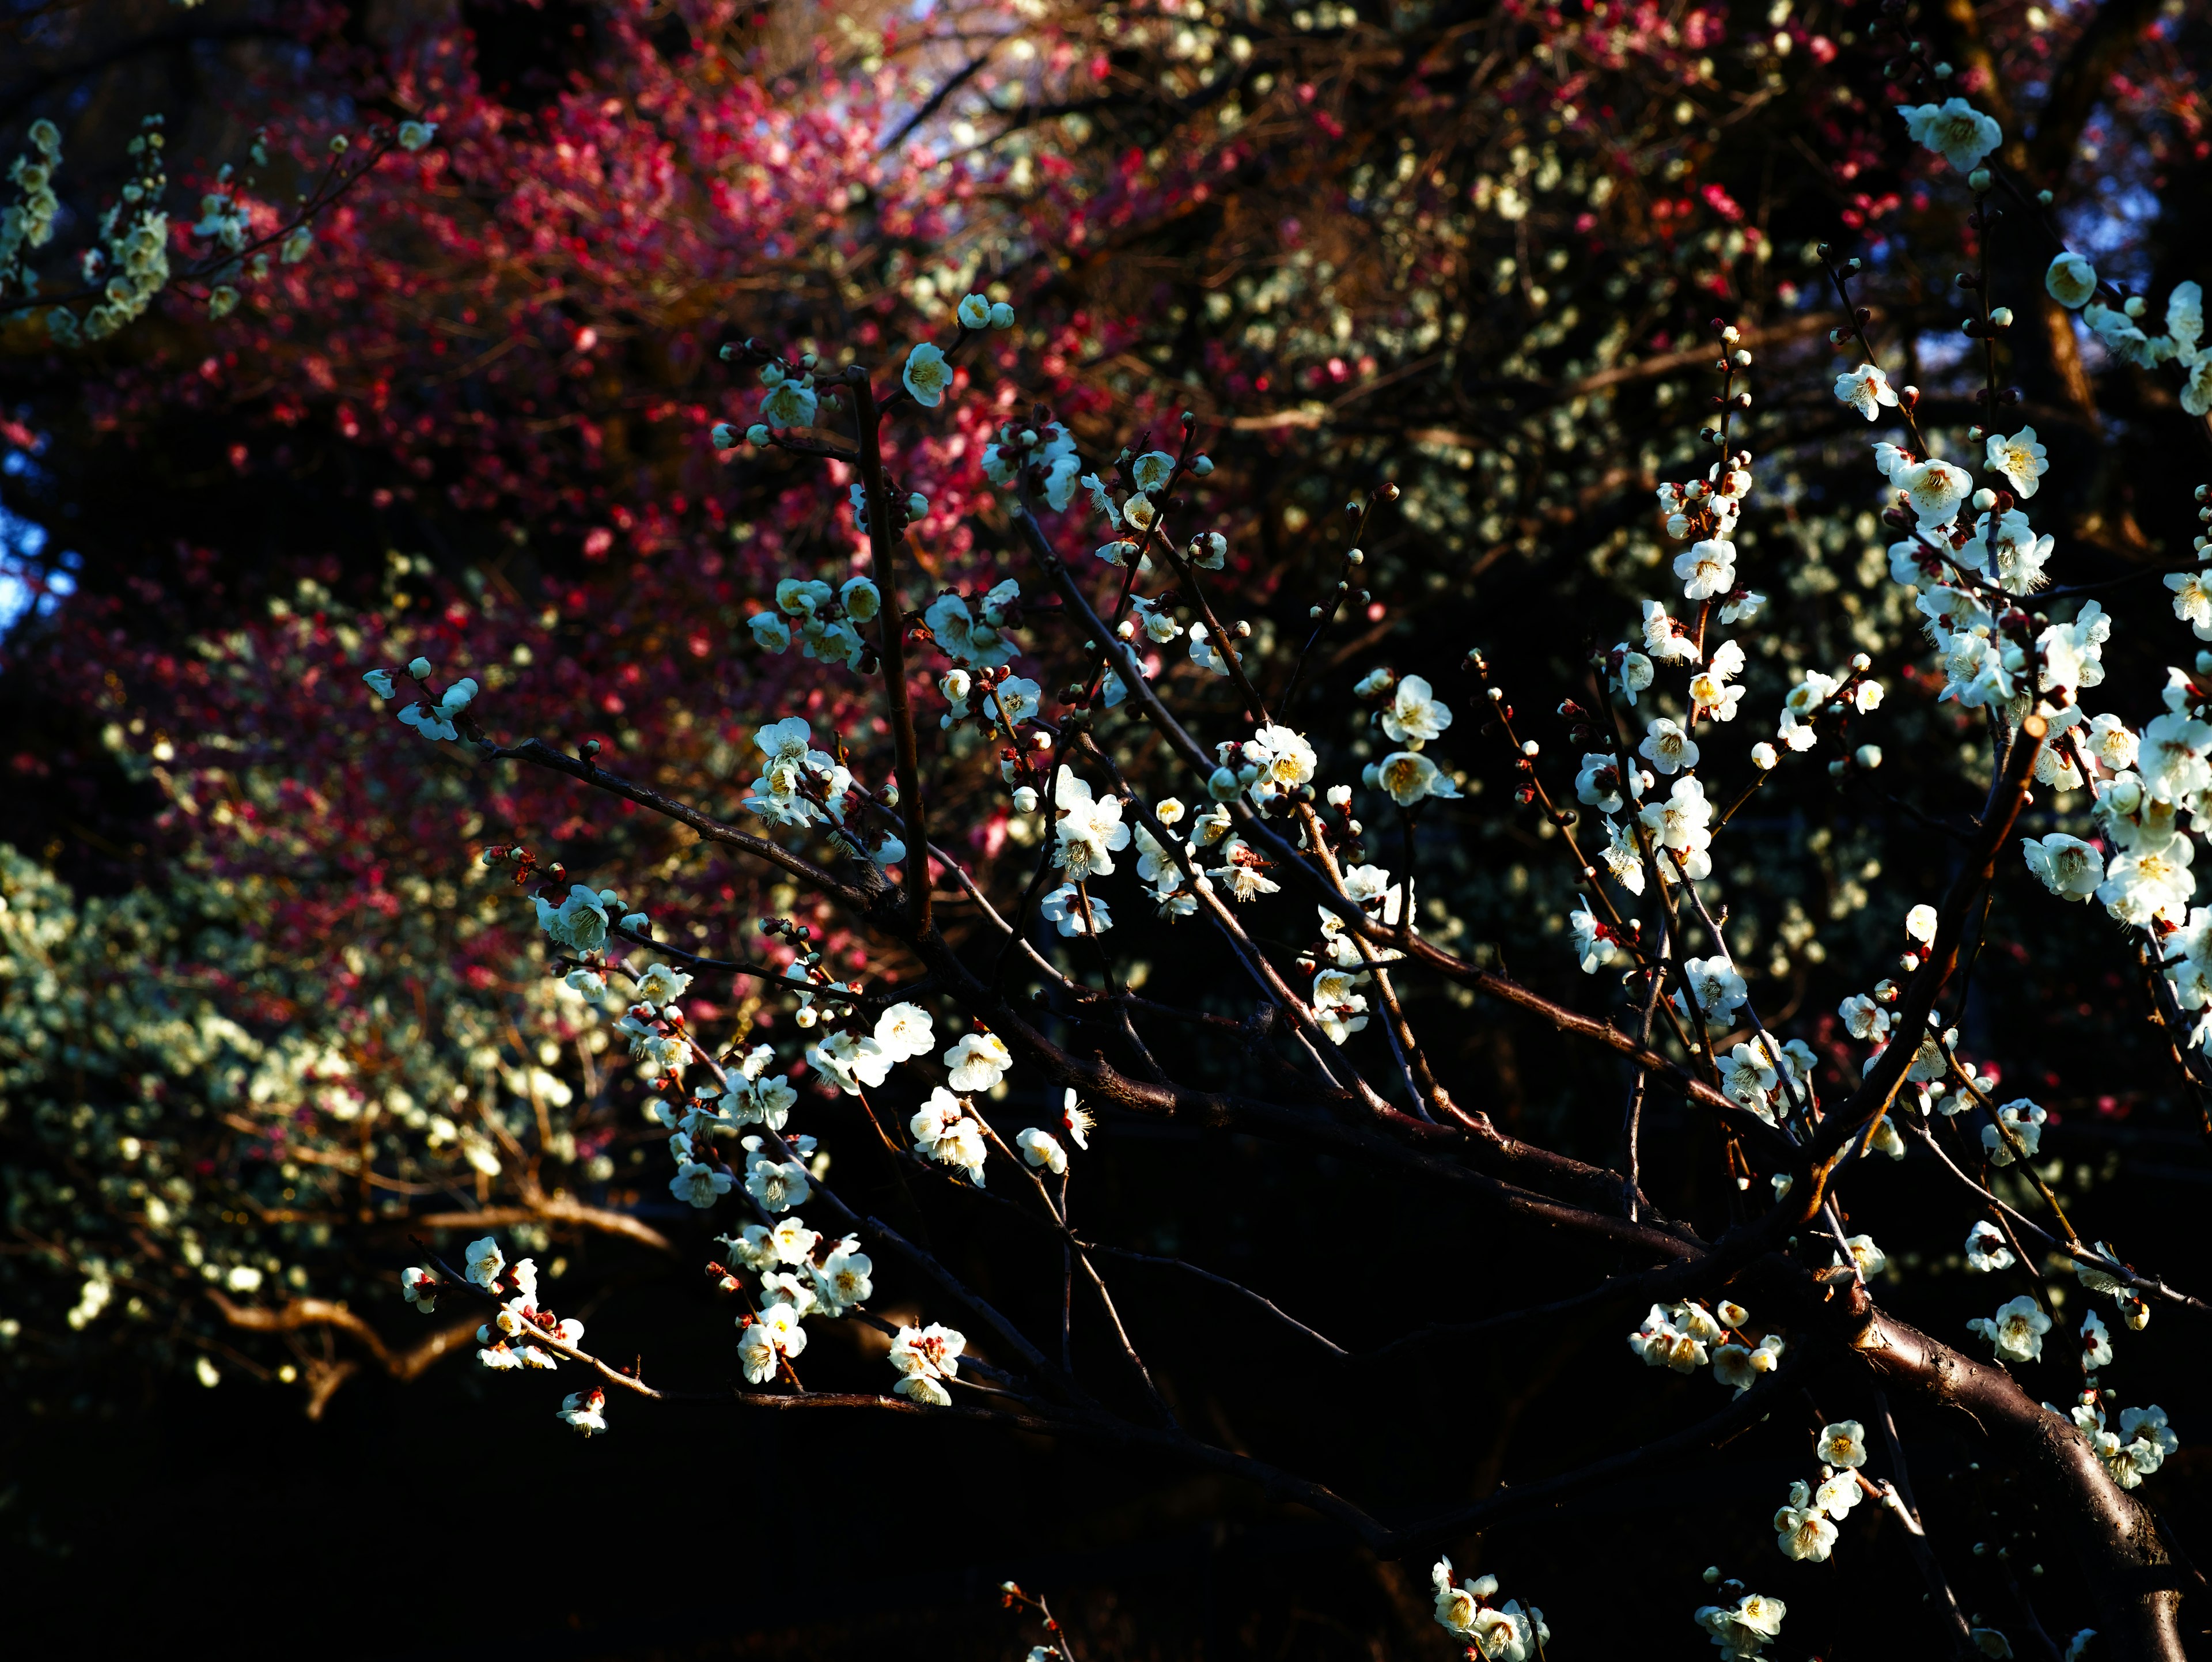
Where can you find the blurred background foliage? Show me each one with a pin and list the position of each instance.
(263, 1018)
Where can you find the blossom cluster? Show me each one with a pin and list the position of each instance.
(1686, 1336)
(1495, 1632)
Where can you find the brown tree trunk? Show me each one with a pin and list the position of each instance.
(2111, 1537)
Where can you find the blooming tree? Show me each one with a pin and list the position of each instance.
(987, 790)
(1230, 834)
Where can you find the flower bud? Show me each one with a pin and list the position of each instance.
(1977, 181)
(724, 436)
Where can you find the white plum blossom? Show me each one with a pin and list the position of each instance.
(2143, 883)
(1088, 830)
(2071, 281)
(1706, 569)
(1668, 746)
(777, 1185)
(925, 1357)
(1339, 1010)
(1842, 1444)
(978, 1060)
(791, 400)
(1985, 1248)
(1409, 776)
(2192, 600)
(485, 1263)
(2111, 744)
(699, 1185)
(844, 1278)
(2021, 459)
(1718, 990)
(584, 1410)
(1152, 470)
(1802, 1530)
(1666, 638)
(1414, 715)
(2023, 1120)
(1670, 1338)
(850, 1061)
(1710, 687)
(2069, 868)
(1839, 1494)
(1739, 1365)
(1042, 1149)
(661, 985)
(1631, 675)
(1594, 947)
(1863, 1018)
(1954, 130)
(1743, 1628)
(2096, 1342)
(1868, 1259)
(1071, 911)
(1598, 783)
(1936, 490)
(2016, 1331)
(927, 375)
(903, 1031)
(1866, 390)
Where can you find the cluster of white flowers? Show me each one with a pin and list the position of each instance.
(28, 222)
(925, 1358)
(1494, 1632)
(822, 619)
(1686, 1336)
(1805, 1527)
(2137, 1449)
(1761, 1073)
(1411, 716)
(1050, 449)
(799, 785)
(2072, 281)
(435, 719)
(1146, 478)
(131, 263)
(793, 1287)
(974, 637)
(506, 1343)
